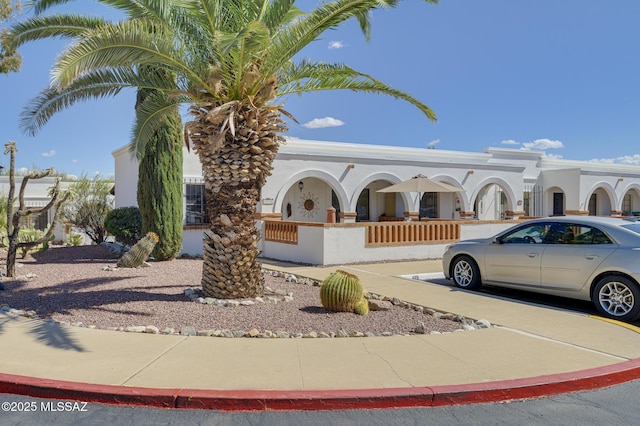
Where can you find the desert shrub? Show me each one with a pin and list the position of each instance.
(125, 224)
(74, 239)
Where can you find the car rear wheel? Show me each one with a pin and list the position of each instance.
(466, 273)
(617, 297)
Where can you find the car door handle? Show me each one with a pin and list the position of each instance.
(591, 256)
(532, 254)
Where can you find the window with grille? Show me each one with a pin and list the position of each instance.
(196, 205)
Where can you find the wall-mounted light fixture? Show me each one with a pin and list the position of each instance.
(350, 166)
(620, 179)
(469, 172)
(300, 186)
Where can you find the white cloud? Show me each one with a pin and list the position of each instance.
(509, 142)
(49, 154)
(633, 160)
(554, 156)
(433, 143)
(319, 123)
(542, 144)
(74, 161)
(336, 45)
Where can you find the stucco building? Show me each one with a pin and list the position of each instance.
(311, 177)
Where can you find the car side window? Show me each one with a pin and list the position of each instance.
(529, 234)
(591, 235)
(562, 233)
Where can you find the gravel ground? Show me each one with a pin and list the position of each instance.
(72, 285)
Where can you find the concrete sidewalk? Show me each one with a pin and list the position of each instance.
(530, 351)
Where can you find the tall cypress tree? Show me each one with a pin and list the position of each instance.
(160, 184)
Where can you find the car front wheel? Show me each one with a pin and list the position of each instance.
(466, 273)
(617, 297)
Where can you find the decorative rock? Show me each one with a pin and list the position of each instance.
(152, 329)
(253, 332)
(187, 331)
(291, 279)
(420, 329)
(482, 323)
(379, 305)
(135, 329)
(468, 327)
(311, 335)
(282, 335)
(168, 330)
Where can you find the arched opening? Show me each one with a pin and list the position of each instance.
(491, 203)
(631, 203)
(372, 206)
(599, 203)
(308, 199)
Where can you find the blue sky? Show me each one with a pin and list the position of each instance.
(560, 76)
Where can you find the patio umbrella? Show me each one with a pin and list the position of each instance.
(420, 184)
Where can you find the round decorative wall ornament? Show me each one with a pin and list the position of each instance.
(308, 205)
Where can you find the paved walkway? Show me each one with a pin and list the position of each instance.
(530, 351)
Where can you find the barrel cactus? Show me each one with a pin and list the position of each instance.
(342, 292)
(139, 252)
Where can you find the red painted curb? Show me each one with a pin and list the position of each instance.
(278, 400)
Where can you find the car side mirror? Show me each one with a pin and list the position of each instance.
(498, 240)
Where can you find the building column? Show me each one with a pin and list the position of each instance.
(412, 216)
(348, 217)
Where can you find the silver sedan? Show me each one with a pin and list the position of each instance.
(579, 257)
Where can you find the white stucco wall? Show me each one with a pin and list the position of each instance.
(347, 169)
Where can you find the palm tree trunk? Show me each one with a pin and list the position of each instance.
(234, 174)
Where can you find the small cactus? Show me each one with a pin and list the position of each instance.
(341, 292)
(139, 252)
(363, 307)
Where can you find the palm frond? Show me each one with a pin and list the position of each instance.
(94, 85)
(151, 114)
(56, 26)
(314, 77)
(129, 43)
(291, 39)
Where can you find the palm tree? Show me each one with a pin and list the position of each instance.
(234, 61)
